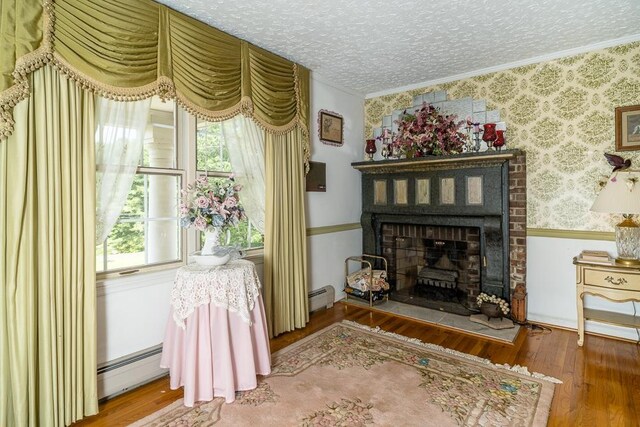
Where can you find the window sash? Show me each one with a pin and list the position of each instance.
(145, 219)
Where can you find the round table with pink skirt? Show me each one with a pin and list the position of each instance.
(216, 341)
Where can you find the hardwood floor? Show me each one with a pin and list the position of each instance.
(601, 380)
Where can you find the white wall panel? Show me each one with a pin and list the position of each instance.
(341, 203)
(327, 253)
(132, 313)
(551, 285)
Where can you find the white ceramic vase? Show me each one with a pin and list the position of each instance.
(211, 239)
(207, 255)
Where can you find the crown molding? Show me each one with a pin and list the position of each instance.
(533, 60)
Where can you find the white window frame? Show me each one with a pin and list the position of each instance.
(191, 126)
(179, 172)
(185, 135)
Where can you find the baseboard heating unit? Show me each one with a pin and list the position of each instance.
(321, 298)
(122, 374)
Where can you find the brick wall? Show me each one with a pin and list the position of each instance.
(518, 220)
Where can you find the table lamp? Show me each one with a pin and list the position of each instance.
(621, 195)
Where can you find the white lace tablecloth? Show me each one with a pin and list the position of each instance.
(233, 286)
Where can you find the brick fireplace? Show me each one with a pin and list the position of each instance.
(436, 267)
(450, 227)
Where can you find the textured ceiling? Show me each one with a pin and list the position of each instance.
(373, 45)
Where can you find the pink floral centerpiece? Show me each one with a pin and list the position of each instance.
(428, 132)
(211, 205)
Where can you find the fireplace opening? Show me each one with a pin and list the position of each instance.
(433, 266)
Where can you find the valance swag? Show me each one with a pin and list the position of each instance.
(132, 49)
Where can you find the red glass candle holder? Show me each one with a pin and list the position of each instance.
(499, 142)
(370, 148)
(489, 134)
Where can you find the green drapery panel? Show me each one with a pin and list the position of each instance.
(285, 245)
(16, 38)
(132, 49)
(47, 257)
(21, 37)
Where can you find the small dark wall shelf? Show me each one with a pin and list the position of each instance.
(317, 177)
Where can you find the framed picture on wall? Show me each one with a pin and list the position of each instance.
(628, 128)
(330, 128)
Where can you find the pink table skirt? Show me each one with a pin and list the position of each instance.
(217, 353)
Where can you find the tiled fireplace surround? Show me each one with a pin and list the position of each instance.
(480, 223)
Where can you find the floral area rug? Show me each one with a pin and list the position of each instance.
(352, 375)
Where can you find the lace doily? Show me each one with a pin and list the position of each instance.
(233, 286)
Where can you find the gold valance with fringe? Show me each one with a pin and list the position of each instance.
(132, 49)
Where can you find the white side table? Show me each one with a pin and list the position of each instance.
(613, 282)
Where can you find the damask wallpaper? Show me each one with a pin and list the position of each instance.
(561, 113)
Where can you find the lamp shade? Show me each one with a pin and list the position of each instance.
(621, 194)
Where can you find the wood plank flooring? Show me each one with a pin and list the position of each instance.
(601, 380)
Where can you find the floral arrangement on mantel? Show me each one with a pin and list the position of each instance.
(428, 132)
(492, 299)
(211, 204)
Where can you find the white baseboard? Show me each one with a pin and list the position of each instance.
(117, 376)
(590, 326)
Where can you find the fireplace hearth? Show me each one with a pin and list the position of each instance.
(450, 227)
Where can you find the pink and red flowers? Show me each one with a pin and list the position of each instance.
(428, 132)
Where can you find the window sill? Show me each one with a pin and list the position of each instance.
(136, 271)
(255, 255)
(107, 283)
(110, 285)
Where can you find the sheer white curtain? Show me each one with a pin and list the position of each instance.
(120, 128)
(245, 141)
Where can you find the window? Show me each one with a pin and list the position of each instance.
(148, 234)
(148, 231)
(212, 159)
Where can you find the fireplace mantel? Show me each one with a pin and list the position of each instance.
(457, 161)
(484, 190)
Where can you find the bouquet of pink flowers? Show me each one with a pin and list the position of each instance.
(428, 132)
(208, 204)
